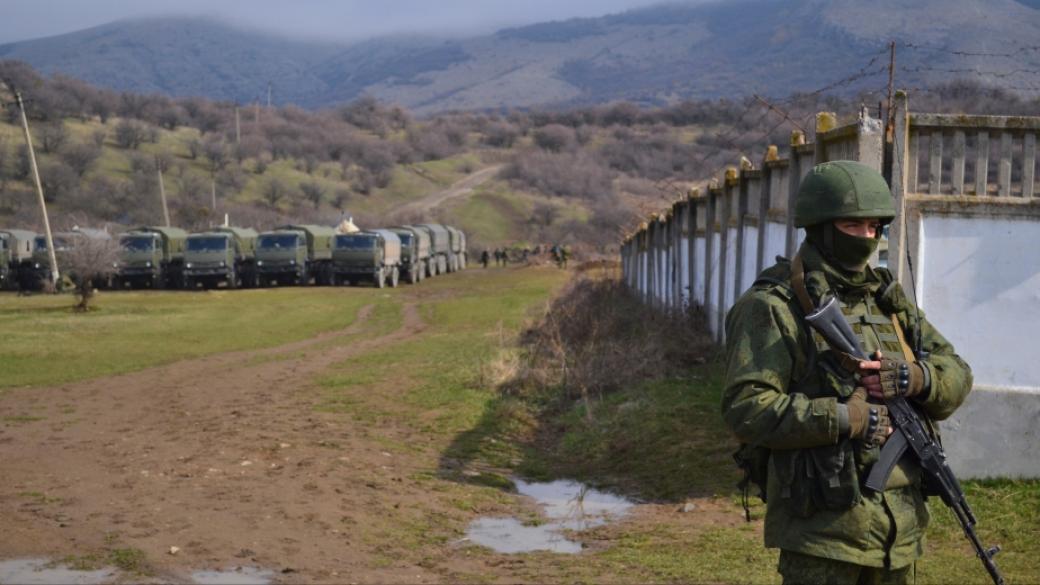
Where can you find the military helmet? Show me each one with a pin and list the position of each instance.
(842, 188)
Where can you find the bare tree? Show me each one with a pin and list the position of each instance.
(129, 134)
(274, 191)
(80, 156)
(313, 192)
(90, 261)
(53, 136)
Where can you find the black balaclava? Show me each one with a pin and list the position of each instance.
(845, 251)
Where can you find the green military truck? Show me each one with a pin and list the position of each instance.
(372, 255)
(16, 257)
(295, 253)
(40, 266)
(415, 251)
(440, 248)
(153, 257)
(220, 255)
(457, 259)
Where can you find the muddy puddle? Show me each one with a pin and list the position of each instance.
(46, 572)
(236, 576)
(567, 506)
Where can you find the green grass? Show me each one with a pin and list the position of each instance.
(45, 342)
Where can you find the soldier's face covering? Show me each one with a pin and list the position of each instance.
(847, 251)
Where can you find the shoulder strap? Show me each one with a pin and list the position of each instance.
(908, 354)
(798, 284)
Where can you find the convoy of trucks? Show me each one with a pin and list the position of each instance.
(160, 257)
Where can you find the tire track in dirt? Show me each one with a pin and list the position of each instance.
(222, 456)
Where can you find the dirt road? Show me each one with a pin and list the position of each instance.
(223, 457)
(460, 188)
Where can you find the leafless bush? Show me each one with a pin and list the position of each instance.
(501, 134)
(571, 174)
(312, 191)
(597, 337)
(88, 262)
(80, 156)
(129, 134)
(58, 180)
(274, 191)
(53, 136)
(554, 137)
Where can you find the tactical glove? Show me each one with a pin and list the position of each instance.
(867, 422)
(894, 378)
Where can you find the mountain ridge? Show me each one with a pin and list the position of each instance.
(653, 56)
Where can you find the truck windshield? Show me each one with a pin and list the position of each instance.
(137, 243)
(278, 241)
(406, 239)
(355, 242)
(59, 243)
(207, 244)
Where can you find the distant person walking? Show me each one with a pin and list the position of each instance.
(485, 258)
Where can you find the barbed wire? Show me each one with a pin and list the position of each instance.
(1009, 55)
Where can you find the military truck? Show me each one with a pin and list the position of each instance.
(372, 255)
(153, 257)
(220, 255)
(415, 251)
(458, 249)
(295, 253)
(440, 248)
(39, 268)
(16, 248)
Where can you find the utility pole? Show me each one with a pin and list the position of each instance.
(213, 191)
(268, 94)
(162, 192)
(238, 127)
(890, 120)
(39, 191)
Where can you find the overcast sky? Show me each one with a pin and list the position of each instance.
(324, 19)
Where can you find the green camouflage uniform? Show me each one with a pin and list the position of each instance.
(782, 393)
(788, 396)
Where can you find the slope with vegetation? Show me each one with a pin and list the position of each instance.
(581, 175)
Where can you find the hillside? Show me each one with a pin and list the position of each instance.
(653, 56)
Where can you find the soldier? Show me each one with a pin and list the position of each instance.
(484, 258)
(818, 419)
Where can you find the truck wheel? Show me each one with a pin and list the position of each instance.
(394, 277)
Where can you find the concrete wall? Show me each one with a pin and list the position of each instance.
(966, 193)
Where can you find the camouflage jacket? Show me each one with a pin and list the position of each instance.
(782, 391)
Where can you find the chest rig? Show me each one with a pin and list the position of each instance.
(873, 328)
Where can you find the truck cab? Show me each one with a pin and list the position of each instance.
(281, 257)
(373, 255)
(221, 255)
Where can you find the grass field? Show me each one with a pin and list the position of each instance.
(45, 342)
(660, 442)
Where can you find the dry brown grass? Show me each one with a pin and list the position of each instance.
(597, 337)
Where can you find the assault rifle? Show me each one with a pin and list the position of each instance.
(908, 432)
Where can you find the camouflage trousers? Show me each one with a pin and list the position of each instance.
(799, 569)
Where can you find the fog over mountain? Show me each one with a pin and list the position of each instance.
(649, 55)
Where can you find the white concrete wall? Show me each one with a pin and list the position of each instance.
(713, 292)
(750, 251)
(731, 270)
(978, 279)
(684, 270)
(775, 242)
(698, 269)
